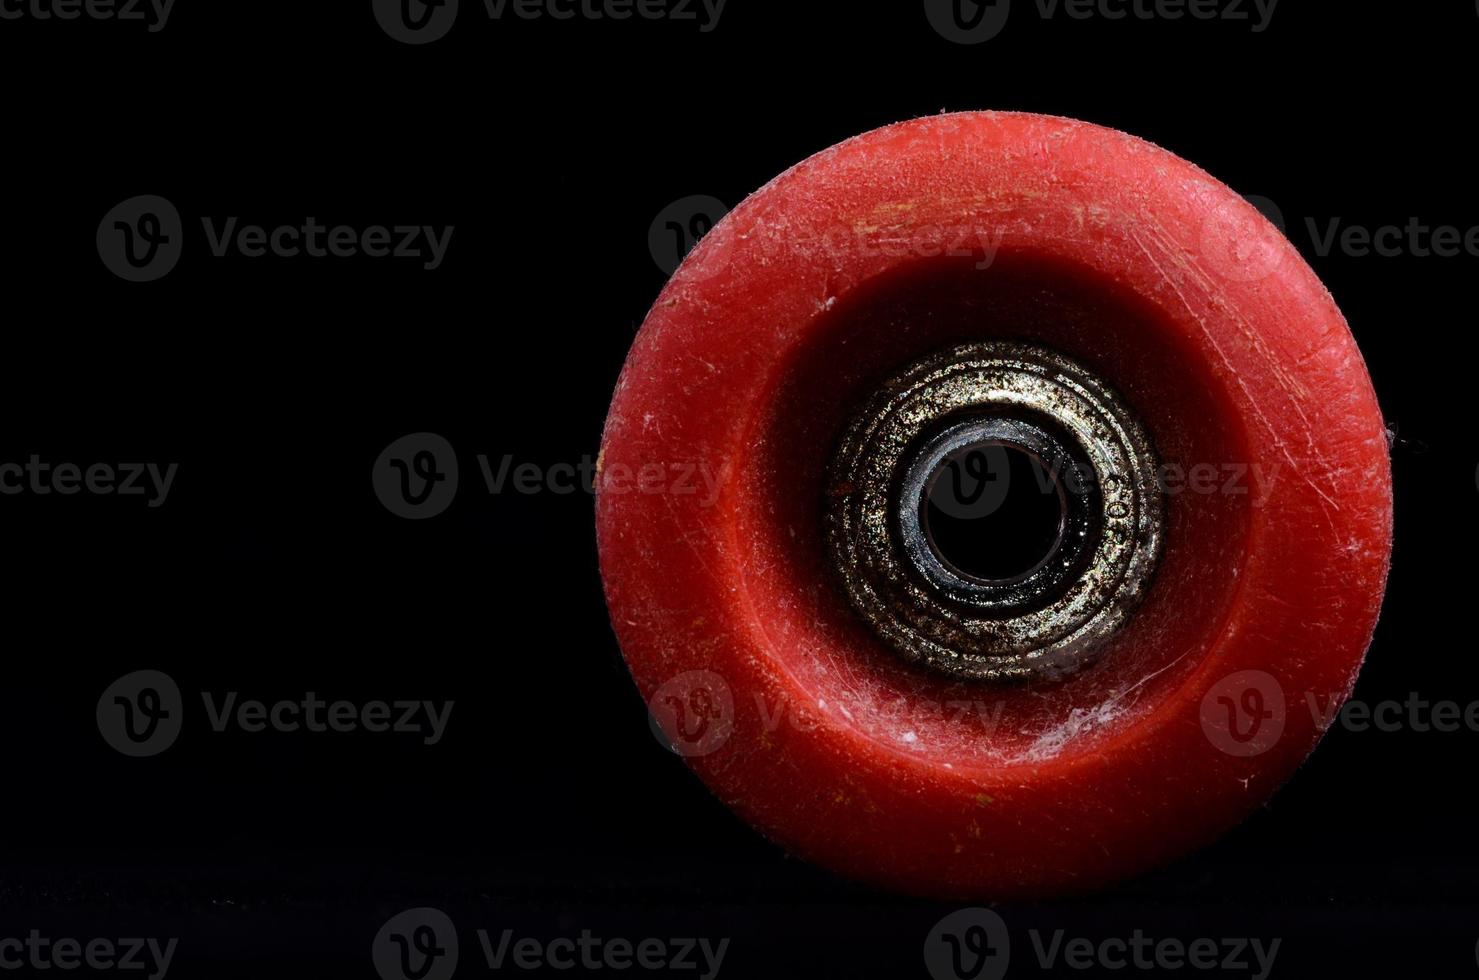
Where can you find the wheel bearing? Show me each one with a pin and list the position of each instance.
(1040, 625)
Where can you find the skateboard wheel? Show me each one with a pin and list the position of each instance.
(983, 500)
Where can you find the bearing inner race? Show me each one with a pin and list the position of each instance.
(993, 512)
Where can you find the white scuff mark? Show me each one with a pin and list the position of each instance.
(1080, 722)
(1083, 721)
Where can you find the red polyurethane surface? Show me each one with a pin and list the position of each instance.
(1173, 289)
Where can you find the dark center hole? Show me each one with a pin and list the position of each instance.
(993, 511)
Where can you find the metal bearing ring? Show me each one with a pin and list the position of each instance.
(1003, 447)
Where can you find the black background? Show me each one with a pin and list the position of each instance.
(272, 569)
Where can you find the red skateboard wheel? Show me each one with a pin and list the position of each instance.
(1059, 687)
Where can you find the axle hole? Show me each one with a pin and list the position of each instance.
(993, 512)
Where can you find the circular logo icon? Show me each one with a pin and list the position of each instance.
(693, 714)
(680, 226)
(416, 476)
(140, 240)
(1240, 251)
(417, 944)
(967, 21)
(1266, 207)
(972, 483)
(415, 21)
(140, 713)
(971, 944)
(1244, 714)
